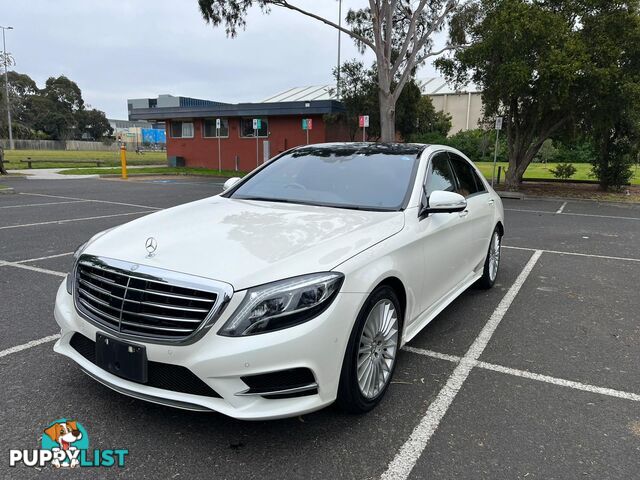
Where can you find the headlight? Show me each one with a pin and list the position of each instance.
(76, 256)
(283, 304)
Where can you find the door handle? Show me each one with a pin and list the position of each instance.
(464, 213)
(491, 202)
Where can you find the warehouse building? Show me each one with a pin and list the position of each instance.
(209, 134)
(464, 104)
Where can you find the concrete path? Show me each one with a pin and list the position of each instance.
(54, 173)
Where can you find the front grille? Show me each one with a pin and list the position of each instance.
(159, 375)
(143, 301)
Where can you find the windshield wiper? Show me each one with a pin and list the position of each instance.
(266, 199)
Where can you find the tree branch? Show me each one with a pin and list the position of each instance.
(359, 38)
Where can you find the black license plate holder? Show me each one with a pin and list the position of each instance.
(126, 360)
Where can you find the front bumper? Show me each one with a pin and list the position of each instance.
(220, 362)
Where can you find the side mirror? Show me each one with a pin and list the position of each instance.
(230, 183)
(444, 202)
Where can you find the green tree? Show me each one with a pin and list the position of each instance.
(430, 121)
(93, 123)
(611, 33)
(529, 61)
(399, 32)
(64, 92)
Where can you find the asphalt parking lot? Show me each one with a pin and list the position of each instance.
(537, 378)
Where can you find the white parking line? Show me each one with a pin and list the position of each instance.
(4, 263)
(44, 204)
(91, 200)
(44, 258)
(570, 213)
(32, 343)
(404, 461)
(607, 257)
(71, 220)
(530, 375)
(561, 207)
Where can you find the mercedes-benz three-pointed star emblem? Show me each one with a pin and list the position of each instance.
(151, 245)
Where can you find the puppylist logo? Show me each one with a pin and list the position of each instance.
(65, 443)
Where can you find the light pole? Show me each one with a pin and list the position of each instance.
(339, 36)
(6, 84)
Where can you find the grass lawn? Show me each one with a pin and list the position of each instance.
(13, 157)
(153, 171)
(540, 170)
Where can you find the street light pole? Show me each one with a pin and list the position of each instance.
(339, 37)
(6, 84)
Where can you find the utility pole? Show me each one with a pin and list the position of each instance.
(6, 84)
(339, 37)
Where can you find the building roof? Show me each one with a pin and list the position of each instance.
(315, 107)
(301, 94)
(439, 86)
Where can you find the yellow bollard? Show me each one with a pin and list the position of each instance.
(123, 160)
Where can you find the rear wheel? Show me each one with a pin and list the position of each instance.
(492, 262)
(370, 358)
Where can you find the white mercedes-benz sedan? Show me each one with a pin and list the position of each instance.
(293, 289)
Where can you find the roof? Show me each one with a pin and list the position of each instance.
(440, 86)
(316, 107)
(301, 94)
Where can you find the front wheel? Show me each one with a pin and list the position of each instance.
(492, 262)
(371, 354)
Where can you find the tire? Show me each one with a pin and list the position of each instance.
(360, 396)
(492, 262)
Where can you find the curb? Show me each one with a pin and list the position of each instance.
(6, 191)
(511, 195)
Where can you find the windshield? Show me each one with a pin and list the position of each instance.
(362, 177)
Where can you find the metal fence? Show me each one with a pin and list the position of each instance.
(65, 145)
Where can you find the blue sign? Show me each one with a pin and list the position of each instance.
(153, 135)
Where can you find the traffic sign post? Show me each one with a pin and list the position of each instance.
(363, 122)
(307, 124)
(257, 124)
(218, 125)
(495, 150)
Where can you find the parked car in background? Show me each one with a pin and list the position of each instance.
(293, 289)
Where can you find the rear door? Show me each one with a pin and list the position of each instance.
(478, 215)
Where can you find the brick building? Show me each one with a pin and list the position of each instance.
(192, 134)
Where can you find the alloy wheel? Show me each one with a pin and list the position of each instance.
(377, 349)
(494, 256)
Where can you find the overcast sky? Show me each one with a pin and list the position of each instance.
(116, 50)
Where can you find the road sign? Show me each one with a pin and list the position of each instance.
(218, 123)
(257, 124)
(498, 123)
(364, 121)
(307, 124)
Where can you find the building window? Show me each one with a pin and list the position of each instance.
(246, 127)
(181, 129)
(209, 130)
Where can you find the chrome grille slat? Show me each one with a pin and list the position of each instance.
(172, 295)
(140, 301)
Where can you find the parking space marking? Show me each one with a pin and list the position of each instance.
(571, 213)
(45, 204)
(557, 252)
(404, 461)
(530, 375)
(91, 200)
(57, 255)
(71, 220)
(32, 343)
(561, 207)
(4, 263)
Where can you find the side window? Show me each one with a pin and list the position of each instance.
(468, 183)
(440, 176)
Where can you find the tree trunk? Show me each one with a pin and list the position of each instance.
(3, 171)
(387, 117)
(518, 163)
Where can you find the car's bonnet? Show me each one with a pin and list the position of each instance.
(247, 243)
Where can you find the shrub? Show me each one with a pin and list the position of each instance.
(564, 171)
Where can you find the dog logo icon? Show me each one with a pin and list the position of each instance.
(67, 437)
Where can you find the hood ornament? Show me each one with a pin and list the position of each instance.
(151, 245)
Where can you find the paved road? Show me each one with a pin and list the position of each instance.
(537, 378)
